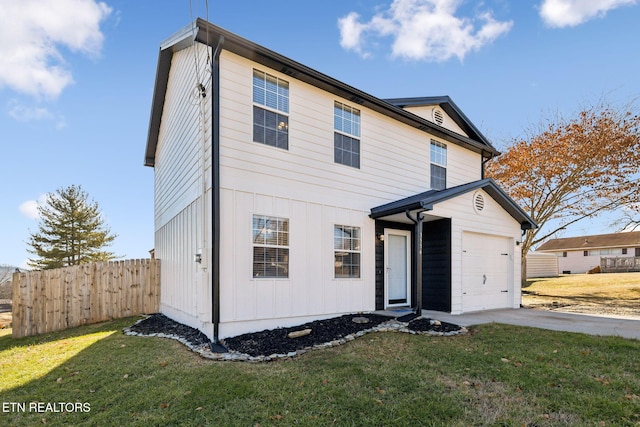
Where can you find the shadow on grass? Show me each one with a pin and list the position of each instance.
(496, 375)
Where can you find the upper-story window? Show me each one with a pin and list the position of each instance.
(346, 138)
(270, 110)
(438, 165)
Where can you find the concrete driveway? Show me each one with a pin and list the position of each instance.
(553, 320)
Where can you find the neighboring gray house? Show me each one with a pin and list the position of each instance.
(283, 195)
(581, 254)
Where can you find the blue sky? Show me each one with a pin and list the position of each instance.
(76, 80)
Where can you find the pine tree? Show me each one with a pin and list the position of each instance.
(71, 231)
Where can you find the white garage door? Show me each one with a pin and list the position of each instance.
(486, 270)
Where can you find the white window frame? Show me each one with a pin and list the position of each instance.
(262, 240)
(346, 125)
(347, 246)
(438, 159)
(273, 102)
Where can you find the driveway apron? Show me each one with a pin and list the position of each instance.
(627, 327)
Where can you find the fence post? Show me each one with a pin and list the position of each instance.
(17, 323)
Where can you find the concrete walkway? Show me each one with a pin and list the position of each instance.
(553, 320)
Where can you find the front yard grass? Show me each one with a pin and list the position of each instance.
(497, 375)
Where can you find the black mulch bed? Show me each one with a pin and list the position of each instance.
(161, 324)
(276, 341)
(425, 325)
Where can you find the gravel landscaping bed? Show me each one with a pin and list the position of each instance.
(288, 342)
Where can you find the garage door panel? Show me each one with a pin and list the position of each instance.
(486, 272)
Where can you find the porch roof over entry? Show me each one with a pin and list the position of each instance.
(425, 201)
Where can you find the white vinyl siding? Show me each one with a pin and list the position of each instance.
(310, 291)
(392, 166)
(178, 169)
(305, 185)
(183, 194)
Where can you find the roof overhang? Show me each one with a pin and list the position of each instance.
(425, 202)
(204, 32)
(446, 103)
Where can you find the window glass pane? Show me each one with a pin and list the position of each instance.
(270, 91)
(438, 177)
(438, 153)
(346, 119)
(258, 133)
(272, 84)
(258, 116)
(270, 128)
(258, 95)
(259, 229)
(283, 123)
(283, 96)
(346, 150)
(337, 155)
(337, 116)
(258, 87)
(270, 137)
(258, 78)
(270, 241)
(272, 100)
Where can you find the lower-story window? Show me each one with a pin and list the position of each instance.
(270, 247)
(346, 244)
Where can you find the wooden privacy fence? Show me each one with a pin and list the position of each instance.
(53, 300)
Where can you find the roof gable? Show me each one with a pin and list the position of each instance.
(449, 107)
(204, 32)
(426, 200)
(612, 240)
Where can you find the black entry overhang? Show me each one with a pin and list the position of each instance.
(424, 202)
(414, 209)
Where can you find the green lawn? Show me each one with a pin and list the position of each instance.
(496, 375)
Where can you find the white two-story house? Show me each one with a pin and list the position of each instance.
(283, 195)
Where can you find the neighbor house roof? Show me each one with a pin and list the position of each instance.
(613, 240)
(426, 200)
(204, 32)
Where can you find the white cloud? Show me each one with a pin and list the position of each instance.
(30, 207)
(32, 35)
(423, 30)
(23, 113)
(569, 13)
